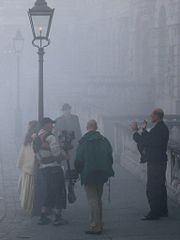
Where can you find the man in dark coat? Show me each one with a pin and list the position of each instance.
(94, 162)
(155, 143)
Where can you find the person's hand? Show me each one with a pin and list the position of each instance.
(134, 126)
(145, 123)
(45, 146)
(34, 136)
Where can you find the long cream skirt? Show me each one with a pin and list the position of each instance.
(26, 190)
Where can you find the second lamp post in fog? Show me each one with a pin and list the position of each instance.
(41, 18)
(18, 44)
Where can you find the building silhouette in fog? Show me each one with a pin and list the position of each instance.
(131, 48)
(118, 54)
(155, 50)
(137, 56)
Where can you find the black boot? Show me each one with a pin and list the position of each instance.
(58, 220)
(150, 217)
(44, 220)
(164, 214)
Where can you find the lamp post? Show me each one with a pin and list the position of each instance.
(40, 17)
(18, 44)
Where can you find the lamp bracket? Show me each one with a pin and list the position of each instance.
(41, 45)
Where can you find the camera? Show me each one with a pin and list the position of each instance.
(66, 139)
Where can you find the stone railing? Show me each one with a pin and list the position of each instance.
(130, 158)
(126, 150)
(173, 173)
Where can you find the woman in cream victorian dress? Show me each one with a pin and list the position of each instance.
(26, 162)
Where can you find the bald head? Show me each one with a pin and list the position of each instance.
(157, 115)
(92, 125)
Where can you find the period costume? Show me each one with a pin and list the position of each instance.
(26, 181)
(49, 157)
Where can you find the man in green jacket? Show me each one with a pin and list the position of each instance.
(94, 162)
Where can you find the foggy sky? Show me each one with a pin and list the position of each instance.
(87, 53)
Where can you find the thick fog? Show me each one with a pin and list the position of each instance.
(112, 61)
(101, 60)
(84, 63)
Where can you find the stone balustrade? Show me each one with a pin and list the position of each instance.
(125, 149)
(173, 173)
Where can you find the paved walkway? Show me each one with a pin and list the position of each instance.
(121, 217)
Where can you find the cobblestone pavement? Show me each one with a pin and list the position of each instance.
(121, 216)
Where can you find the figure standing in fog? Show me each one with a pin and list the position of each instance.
(26, 165)
(155, 144)
(70, 123)
(94, 162)
(49, 156)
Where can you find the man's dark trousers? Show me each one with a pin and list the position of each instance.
(156, 188)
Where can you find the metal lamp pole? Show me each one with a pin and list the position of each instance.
(41, 19)
(41, 83)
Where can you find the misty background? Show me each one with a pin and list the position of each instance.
(106, 58)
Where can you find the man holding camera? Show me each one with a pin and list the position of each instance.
(94, 162)
(155, 143)
(69, 123)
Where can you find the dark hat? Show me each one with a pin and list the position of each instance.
(46, 120)
(66, 106)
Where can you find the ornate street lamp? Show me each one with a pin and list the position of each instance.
(18, 45)
(40, 17)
